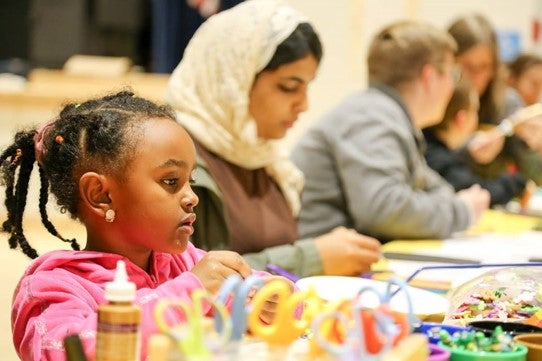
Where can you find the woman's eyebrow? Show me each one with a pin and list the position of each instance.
(294, 78)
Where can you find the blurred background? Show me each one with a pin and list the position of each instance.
(54, 51)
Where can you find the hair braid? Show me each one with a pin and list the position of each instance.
(24, 158)
(44, 196)
(8, 169)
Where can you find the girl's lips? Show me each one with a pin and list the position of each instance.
(189, 220)
(186, 225)
(186, 229)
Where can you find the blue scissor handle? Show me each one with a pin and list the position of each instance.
(239, 289)
(384, 323)
(343, 351)
(402, 286)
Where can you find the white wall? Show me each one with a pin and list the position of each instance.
(346, 27)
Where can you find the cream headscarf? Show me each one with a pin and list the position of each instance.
(210, 88)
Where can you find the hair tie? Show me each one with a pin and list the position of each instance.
(18, 155)
(39, 140)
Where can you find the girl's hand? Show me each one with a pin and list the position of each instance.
(216, 266)
(269, 309)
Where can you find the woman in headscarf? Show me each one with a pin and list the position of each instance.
(240, 86)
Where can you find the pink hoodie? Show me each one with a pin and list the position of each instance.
(60, 292)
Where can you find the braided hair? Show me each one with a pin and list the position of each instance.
(98, 135)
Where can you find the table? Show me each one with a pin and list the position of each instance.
(499, 237)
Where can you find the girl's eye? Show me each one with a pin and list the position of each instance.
(171, 182)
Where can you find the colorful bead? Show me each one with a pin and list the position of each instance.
(476, 341)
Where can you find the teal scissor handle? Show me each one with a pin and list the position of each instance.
(239, 290)
(191, 336)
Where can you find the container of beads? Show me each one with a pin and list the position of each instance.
(511, 294)
(432, 330)
(464, 355)
(476, 346)
(513, 328)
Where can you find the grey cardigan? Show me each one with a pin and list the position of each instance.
(364, 168)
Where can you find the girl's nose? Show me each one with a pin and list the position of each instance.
(189, 200)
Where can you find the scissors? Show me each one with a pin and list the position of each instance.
(239, 289)
(284, 328)
(357, 333)
(192, 335)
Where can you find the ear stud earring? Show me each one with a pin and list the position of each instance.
(109, 216)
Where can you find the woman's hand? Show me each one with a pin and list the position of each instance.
(530, 131)
(346, 252)
(213, 269)
(486, 145)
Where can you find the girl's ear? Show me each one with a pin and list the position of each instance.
(94, 192)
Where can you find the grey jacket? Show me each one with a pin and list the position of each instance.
(364, 168)
(211, 232)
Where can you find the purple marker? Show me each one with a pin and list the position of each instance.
(282, 272)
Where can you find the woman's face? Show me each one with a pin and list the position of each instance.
(529, 84)
(471, 116)
(278, 96)
(478, 66)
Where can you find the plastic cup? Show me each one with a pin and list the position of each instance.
(533, 342)
(437, 353)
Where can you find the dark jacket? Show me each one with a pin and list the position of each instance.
(452, 167)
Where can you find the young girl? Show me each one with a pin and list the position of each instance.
(123, 167)
(447, 137)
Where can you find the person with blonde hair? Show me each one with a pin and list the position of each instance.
(363, 161)
(240, 86)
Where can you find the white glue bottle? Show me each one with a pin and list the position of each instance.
(118, 334)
